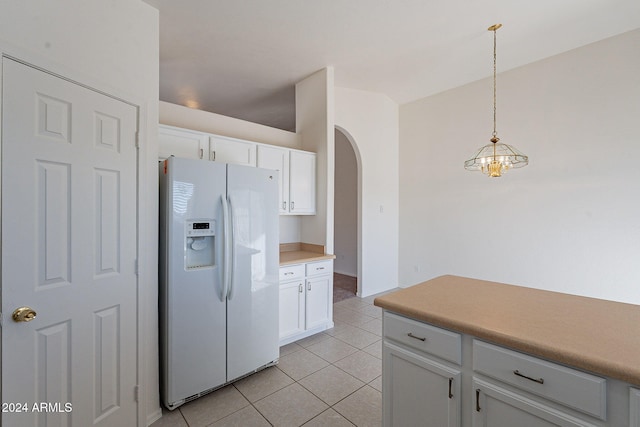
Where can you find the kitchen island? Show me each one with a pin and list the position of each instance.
(517, 354)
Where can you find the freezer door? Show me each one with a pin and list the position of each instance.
(192, 301)
(252, 302)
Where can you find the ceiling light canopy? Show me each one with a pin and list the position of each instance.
(496, 158)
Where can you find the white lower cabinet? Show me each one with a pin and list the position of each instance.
(421, 379)
(634, 405)
(291, 309)
(306, 296)
(426, 370)
(496, 406)
(418, 390)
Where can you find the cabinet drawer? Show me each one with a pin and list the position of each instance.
(291, 272)
(430, 339)
(576, 389)
(320, 267)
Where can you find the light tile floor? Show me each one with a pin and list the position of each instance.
(329, 379)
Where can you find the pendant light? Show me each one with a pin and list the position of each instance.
(496, 158)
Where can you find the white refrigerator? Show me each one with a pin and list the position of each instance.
(219, 262)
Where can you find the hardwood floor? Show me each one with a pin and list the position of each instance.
(344, 287)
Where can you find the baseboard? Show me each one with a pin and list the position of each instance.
(154, 416)
(345, 273)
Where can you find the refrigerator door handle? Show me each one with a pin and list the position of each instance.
(232, 251)
(225, 248)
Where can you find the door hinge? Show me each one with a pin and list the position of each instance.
(136, 393)
(136, 267)
(137, 139)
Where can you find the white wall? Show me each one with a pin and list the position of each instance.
(346, 208)
(570, 221)
(370, 121)
(204, 121)
(315, 124)
(111, 46)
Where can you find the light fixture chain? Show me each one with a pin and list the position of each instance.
(495, 133)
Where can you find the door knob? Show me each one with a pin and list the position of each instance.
(23, 314)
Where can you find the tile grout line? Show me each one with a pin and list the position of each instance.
(353, 307)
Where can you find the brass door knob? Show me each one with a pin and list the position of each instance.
(23, 314)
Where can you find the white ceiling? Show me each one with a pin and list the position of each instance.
(242, 58)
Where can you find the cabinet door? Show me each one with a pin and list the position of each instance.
(230, 150)
(291, 308)
(634, 405)
(302, 183)
(419, 391)
(318, 300)
(278, 159)
(178, 142)
(497, 406)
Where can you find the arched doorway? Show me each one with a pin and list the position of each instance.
(347, 236)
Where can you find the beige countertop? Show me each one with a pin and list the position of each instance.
(295, 253)
(596, 335)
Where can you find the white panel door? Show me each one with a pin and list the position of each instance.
(68, 252)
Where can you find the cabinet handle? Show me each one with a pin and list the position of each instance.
(415, 337)
(292, 205)
(201, 153)
(284, 206)
(477, 400)
(309, 287)
(538, 380)
(214, 155)
(300, 289)
(450, 384)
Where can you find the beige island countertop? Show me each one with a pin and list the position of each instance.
(295, 253)
(588, 333)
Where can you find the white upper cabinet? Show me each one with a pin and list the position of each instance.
(302, 183)
(178, 142)
(231, 150)
(277, 158)
(297, 169)
(297, 177)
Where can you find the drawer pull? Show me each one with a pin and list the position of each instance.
(538, 380)
(415, 337)
(450, 383)
(288, 273)
(477, 400)
(319, 268)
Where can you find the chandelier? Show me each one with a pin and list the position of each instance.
(496, 158)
